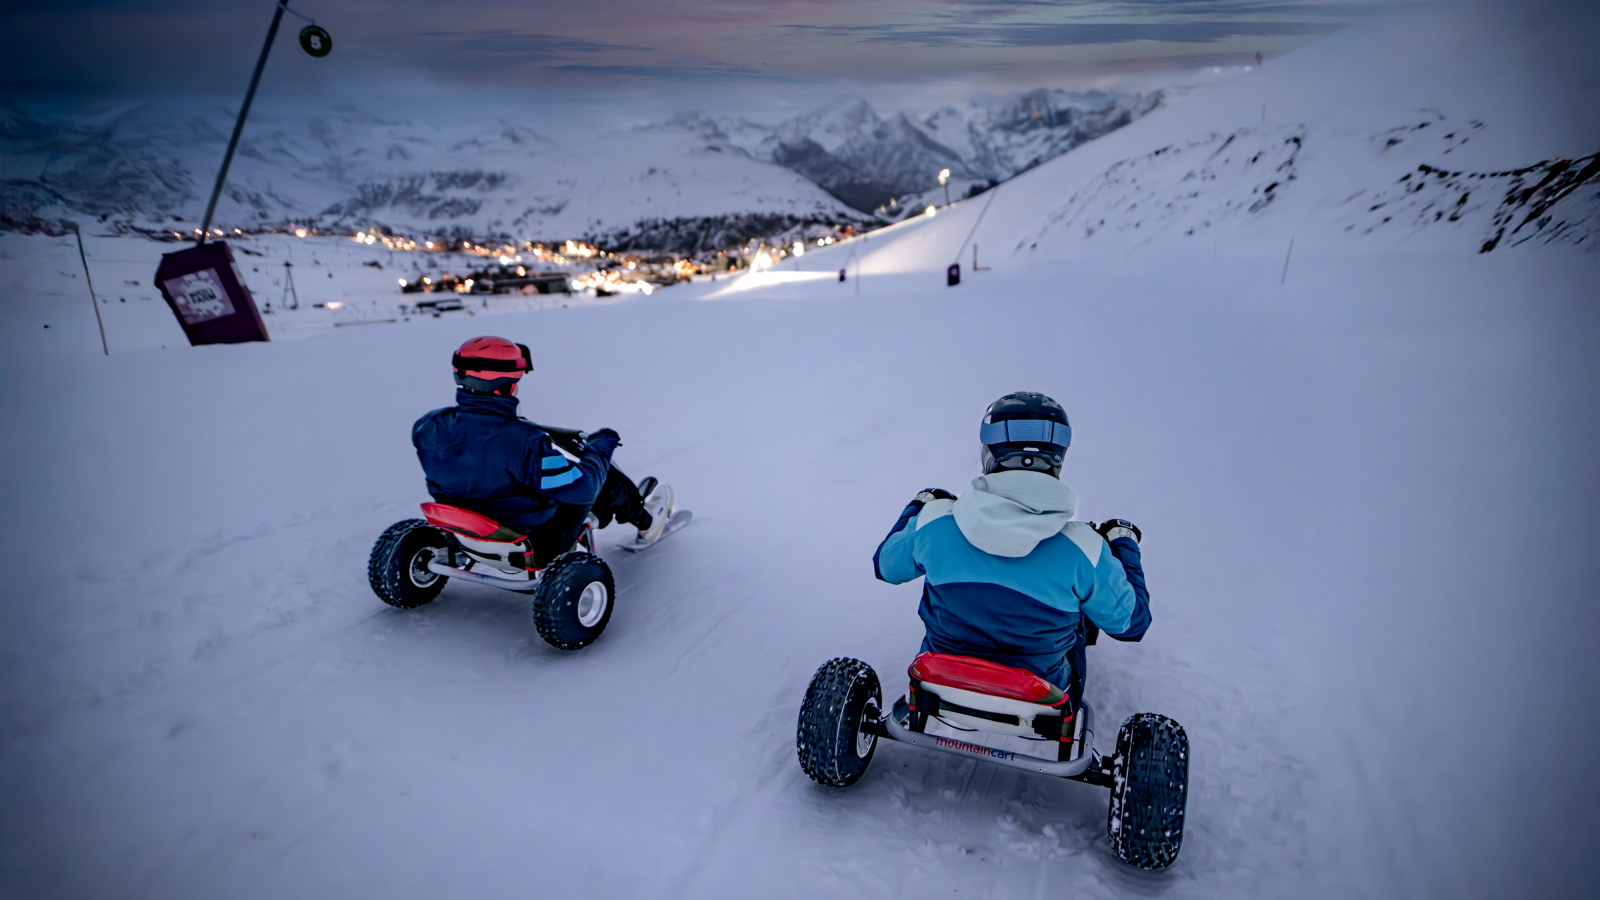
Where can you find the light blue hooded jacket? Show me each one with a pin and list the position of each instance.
(1010, 576)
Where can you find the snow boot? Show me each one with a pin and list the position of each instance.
(658, 505)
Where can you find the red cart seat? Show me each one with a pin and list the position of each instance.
(468, 523)
(984, 677)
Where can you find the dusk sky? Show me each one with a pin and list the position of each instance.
(704, 48)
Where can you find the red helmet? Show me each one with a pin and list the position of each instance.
(491, 365)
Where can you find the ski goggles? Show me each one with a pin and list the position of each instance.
(1026, 431)
(490, 364)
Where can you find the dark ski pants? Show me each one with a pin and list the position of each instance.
(619, 499)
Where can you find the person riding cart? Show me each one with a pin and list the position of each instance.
(517, 506)
(1014, 589)
(479, 455)
(1009, 577)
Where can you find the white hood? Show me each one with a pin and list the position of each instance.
(1010, 512)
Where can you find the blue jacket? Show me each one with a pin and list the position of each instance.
(480, 456)
(1009, 576)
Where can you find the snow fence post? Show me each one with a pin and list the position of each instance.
(92, 300)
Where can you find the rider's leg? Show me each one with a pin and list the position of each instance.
(557, 534)
(620, 499)
(1076, 670)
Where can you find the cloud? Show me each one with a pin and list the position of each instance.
(1063, 34)
(506, 42)
(176, 44)
(1126, 9)
(1149, 12)
(980, 10)
(714, 72)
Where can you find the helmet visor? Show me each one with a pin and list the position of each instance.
(1034, 431)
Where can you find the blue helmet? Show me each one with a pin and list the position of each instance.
(1024, 431)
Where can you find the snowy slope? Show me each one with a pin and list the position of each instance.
(1375, 137)
(1367, 489)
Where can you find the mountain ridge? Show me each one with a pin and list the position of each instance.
(866, 160)
(143, 168)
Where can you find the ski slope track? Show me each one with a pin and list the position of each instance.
(1364, 467)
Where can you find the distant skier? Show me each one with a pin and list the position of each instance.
(479, 455)
(1009, 576)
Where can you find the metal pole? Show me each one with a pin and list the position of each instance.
(288, 287)
(238, 126)
(92, 300)
(993, 192)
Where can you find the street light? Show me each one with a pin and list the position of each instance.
(944, 182)
(202, 283)
(316, 42)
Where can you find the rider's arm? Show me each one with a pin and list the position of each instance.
(1119, 602)
(561, 479)
(893, 562)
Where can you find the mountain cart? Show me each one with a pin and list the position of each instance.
(572, 594)
(979, 704)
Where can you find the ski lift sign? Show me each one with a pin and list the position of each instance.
(199, 297)
(207, 294)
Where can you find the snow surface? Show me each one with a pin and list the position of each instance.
(1366, 481)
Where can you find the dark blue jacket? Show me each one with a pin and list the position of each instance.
(479, 455)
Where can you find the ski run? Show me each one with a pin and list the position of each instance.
(1362, 453)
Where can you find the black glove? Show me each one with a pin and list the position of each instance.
(1111, 529)
(929, 494)
(604, 442)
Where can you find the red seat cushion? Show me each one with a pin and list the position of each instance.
(982, 676)
(469, 523)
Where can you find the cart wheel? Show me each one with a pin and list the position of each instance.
(573, 602)
(1150, 786)
(398, 568)
(832, 741)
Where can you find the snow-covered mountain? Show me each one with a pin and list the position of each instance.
(143, 169)
(867, 160)
(689, 183)
(1418, 164)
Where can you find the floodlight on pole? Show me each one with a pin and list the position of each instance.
(316, 42)
(944, 182)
